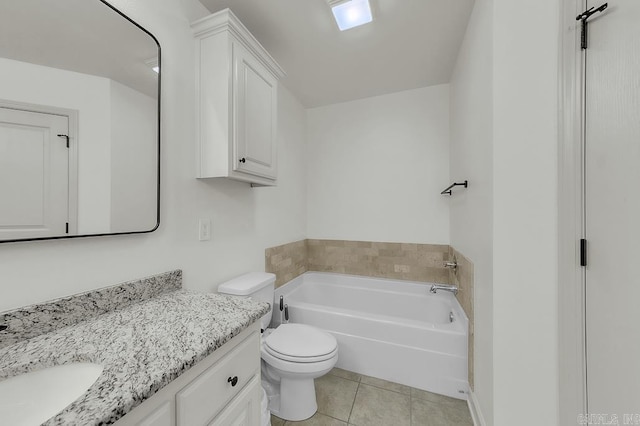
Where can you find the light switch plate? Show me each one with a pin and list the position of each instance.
(204, 229)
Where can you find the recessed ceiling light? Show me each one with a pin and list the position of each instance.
(351, 13)
(153, 64)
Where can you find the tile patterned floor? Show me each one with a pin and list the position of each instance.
(346, 398)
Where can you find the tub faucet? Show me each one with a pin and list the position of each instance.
(452, 288)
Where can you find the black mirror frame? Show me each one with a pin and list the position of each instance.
(158, 150)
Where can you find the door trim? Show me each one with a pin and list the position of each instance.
(72, 116)
(571, 276)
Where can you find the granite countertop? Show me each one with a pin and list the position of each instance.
(142, 348)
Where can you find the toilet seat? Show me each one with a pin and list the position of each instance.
(300, 343)
(307, 359)
(288, 368)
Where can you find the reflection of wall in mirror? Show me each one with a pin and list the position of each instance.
(103, 115)
(134, 160)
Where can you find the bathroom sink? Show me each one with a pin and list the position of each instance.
(32, 398)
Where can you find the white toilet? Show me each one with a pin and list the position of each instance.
(292, 354)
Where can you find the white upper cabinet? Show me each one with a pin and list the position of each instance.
(237, 102)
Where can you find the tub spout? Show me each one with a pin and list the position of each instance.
(452, 288)
(451, 265)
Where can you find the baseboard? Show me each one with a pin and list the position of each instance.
(474, 409)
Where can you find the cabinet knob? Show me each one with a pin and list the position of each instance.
(242, 160)
(233, 380)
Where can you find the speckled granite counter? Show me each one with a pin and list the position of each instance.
(142, 347)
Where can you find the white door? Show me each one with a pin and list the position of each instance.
(255, 114)
(612, 202)
(34, 174)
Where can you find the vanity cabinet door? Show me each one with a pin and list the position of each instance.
(209, 393)
(162, 416)
(159, 410)
(256, 104)
(244, 410)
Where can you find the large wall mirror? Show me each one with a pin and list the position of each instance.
(79, 121)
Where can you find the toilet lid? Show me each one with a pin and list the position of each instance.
(300, 341)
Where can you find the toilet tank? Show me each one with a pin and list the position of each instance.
(257, 285)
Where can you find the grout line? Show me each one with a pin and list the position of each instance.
(390, 390)
(410, 406)
(410, 394)
(335, 375)
(410, 411)
(335, 418)
(353, 404)
(340, 377)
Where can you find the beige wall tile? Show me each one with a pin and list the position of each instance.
(287, 261)
(408, 261)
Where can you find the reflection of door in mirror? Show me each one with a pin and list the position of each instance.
(35, 174)
(85, 58)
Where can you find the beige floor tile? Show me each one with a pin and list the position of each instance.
(434, 397)
(335, 396)
(426, 413)
(345, 374)
(318, 419)
(276, 421)
(380, 407)
(379, 383)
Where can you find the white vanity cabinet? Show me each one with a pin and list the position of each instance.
(236, 102)
(222, 389)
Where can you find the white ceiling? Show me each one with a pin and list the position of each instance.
(81, 36)
(410, 44)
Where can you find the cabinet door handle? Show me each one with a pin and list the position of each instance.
(233, 380)
(242, 160)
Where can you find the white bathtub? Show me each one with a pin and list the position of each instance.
(389, 329)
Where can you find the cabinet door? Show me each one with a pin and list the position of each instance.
(155, 411)
(162, 416)
(207, 395)
(255, 116)
(244, 410)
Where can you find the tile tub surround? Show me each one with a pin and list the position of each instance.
(404, 261)
(286, 261)
(142, 348)
(463, 278)
(31, 321)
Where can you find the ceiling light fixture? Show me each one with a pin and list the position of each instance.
(351, 13)
(153, 64)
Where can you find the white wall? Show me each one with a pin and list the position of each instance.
(525, 153)
(471, 157)
(89, 95)
(393, 152)
(245, 220)
(376, 167)
(134, 161)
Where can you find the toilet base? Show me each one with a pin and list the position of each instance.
(297, 399)
(265, 415)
